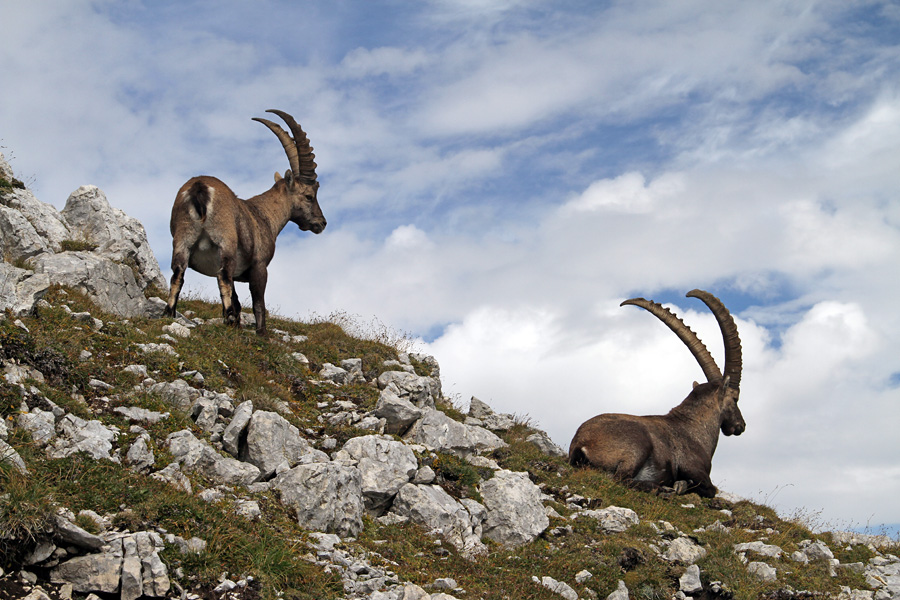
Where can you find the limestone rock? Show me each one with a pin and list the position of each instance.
(559, 587)
(421, 391)
(199, 456)
(140, 456)
(111, 285)
(684, 550)
(621, 592)
(119, 237)
(762, 571)
(272, 440)
(384, 464)
(78, 435)
(39, 423)
(515, 513)
(433, 508)
(69, 532)
(398, 413)
(234, 432)
(172, 475)
(178, 394)
(90, 573)
(136, 413)
(20, 289)
(9, 455)
(613, 519)
(759, 548)
(546, 445)
(816, 550)
(438, 431)
(690, 583)
(327, 496)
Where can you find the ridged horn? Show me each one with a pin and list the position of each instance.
(733, 354)
(684, 333)
(307, 166)
(299, 152)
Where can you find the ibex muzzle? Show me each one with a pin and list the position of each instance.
(216, 233)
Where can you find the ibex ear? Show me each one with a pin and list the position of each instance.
(277, 177)
(695, 385)
(289, 177)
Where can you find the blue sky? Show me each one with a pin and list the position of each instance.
(499, 176)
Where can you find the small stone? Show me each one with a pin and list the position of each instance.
(762, 571)
(690, 583)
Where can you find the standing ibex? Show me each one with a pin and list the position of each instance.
(216, 233)
(673, 450)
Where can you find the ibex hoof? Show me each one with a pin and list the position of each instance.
(681, 487)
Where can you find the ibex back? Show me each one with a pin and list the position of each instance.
(672, 451)
(216, 233)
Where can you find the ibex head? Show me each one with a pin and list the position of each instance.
(728, 381)
(300, 180)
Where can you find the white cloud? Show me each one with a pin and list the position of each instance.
(628, 193)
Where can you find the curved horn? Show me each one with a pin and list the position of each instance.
(733, 355)
(289, 148)
(684, 333)
(306, 168)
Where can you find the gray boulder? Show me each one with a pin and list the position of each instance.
(433, 508)
(20, 289)
(760, 548)
(558, 587)
(140, 456)
(178, 394)
(327, 496)
(110, 285)
(119, 237)
(384, 464)
(70, 533)
(613, 519)
(39, 423)
(91, 573)
(542, 440)
(690, 582)
(515, 513)
(272, 440)
(439, 432)
(763, 571)
(78, 435)
(198, 456)
(114, 274)
(684, 550)
(9, 455)
(421, 391)
(398, 413)
(234, 432)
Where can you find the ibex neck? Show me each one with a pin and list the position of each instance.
(274, 205)
(701, 417)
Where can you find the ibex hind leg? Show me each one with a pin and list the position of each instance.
(175, 285)
(231, 309)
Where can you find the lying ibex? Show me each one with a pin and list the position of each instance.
(216, 233)
(657, 452)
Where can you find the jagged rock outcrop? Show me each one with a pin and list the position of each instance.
(115, 268)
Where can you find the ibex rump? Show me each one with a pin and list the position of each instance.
(675, 450)
(216, 233)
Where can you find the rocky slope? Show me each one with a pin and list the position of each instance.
(142, 457)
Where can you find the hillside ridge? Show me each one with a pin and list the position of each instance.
(149, 457)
